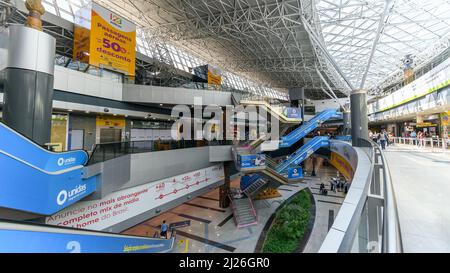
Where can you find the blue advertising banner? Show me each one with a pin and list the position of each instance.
(28, 189)
(295, 173)
(252, 161)
(38, 181)
(294, 113)
(18, 241)
(22, 148)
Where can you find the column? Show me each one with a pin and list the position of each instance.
(224, 201)
(359, 119)
(347, 123)
(29, 82)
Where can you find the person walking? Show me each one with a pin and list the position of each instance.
(164, 229)
(383, 139)
(414, 137)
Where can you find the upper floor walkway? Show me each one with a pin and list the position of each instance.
(421, 179)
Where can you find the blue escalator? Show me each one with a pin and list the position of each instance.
(38, 181)
(303, 153)
(16, 237)
(308, 127)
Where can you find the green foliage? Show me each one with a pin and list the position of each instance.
(289, 226)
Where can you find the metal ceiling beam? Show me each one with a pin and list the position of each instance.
(383, 20)
(325, 51)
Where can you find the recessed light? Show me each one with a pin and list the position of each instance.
(70, 110)
(161, 104)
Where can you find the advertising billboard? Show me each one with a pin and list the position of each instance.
(344, 158)
(214, 75)
(252, 162)
(294, 113)
(108, 41)
(125, 204)
(295, 173)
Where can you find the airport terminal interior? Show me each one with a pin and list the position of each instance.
(224, 126)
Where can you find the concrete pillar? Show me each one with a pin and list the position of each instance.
(29, 83)
(224, 200)
(347, 123)
(359, 119)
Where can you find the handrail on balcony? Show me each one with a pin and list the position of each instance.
(368, 220)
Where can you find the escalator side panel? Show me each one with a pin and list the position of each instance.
(29, 189)
(17, 145)
(25, 241)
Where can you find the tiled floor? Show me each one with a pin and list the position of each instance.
(213, 230)
(327, 208)
(421, 182)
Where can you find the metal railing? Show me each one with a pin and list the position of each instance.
(368, 219)
(109, 151)
(433, 143)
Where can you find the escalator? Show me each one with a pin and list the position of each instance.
(287, 171)
(308, 127)
(276, 111)
(35, 180)
(303, 153)
(18, 237)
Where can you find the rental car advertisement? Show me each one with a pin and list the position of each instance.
(40, 181)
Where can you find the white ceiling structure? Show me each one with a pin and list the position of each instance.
(269, 41)
(382, 33)
(327, 46)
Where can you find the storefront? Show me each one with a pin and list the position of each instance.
(110, 129)
(429, 125)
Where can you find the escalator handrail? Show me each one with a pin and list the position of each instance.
(41, 149)
(310, 125)
(60, 172)
(300, 152)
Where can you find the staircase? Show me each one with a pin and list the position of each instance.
(244, 212)
(251, 190)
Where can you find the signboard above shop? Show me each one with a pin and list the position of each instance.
(108, 41)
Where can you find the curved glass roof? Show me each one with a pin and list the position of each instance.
(263, 44)
(382, 33)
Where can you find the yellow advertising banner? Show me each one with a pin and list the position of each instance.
(342, 165)
(214, 75)
(104, 39)
(81, 47)
(445, 118)
(110, 121)
(113, 41)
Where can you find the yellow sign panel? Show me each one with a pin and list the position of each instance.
(106, 40)
(342, 165)
(214, 79)
(107, 121)
(81, 47)
(113, 41)
(426, 124)
(445, 119)
(214, 75)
